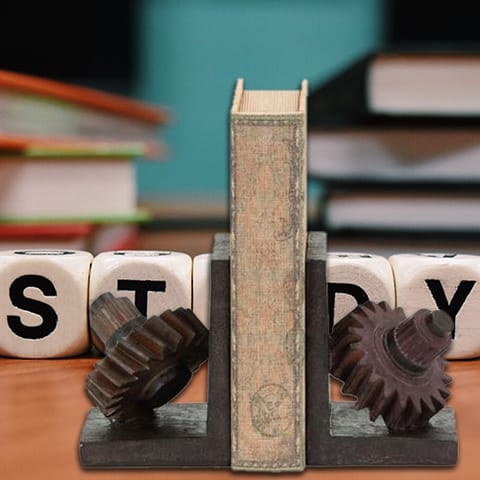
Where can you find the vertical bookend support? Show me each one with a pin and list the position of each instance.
(177, 435)
(336, 433)
(198, 435)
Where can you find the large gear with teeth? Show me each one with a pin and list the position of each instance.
(147, 361)
(393, 365)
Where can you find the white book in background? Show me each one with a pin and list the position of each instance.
(70, 189)
(395, 154)
(408, 212)
(424, 84)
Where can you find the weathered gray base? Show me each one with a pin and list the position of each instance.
(177, 435)
(339, 435)
(355, 440)
(173, 433)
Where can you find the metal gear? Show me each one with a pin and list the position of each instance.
(148, 361)
(391, 364)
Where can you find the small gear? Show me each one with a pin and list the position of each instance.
(147, 361)
(392, 364)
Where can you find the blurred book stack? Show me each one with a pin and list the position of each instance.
(394, 141)
(67, 176)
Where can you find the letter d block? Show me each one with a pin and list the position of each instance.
(44, 299)
(154, 280)
(444, 281)
(353, 279)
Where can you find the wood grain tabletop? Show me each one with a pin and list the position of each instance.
(43, 406)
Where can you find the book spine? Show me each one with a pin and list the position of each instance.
(268, 243)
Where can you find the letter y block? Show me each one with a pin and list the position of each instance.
(445, 281)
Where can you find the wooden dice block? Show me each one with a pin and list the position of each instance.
(201, 287)
(154, 280)
(354, 278)
(448, 282)
(44, 299)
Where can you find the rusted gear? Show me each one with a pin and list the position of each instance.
(147, 362)
(393, 365)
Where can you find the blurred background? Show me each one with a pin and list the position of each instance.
(187, 54)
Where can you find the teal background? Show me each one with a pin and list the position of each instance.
(190, 53)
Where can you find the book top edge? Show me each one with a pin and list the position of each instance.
(87, 97)
(269, 102)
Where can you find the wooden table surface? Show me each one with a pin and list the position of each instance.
(43, 407)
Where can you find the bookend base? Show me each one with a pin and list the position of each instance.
(198, 435)
(176, 435)
(343, 436)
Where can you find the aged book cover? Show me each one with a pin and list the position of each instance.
(268, 208)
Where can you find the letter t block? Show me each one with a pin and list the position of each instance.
(154, 280)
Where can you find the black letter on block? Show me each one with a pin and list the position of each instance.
(141, 289)
(463, 290)
(355, 291)
(47, 313)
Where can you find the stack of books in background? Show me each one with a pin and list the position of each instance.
(67, 179)
(394, 141)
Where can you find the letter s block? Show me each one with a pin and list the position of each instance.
(154, 280)
(354, 278)
(43, 306)
(445, 281)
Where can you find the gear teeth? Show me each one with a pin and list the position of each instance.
(444, 393)
(380, 405)
(148, 361)
(447, 379)
(351, 321)
(116, 376)
(125, 362)
(340, 348)
(104, 386)
(341, 366)
(175, 322)
(134, 350)
(153, 346)
(369, 306)
(438, 403)
(368, 392)
(355, 379)
(393, 414)
(171, 338)
(105, 398)
(357, 355)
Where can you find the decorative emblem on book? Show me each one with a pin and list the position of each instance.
(271, 410)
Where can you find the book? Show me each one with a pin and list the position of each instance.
(66, 189)
(38, 107)
(355, 135)
(409, 89)
(56, 147)
(423, 155)
(414, 211)
(268, 242)
(81, 236)
(418, 83)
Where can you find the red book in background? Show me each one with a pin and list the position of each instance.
(83, 236)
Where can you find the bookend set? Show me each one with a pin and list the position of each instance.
(269, 405)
